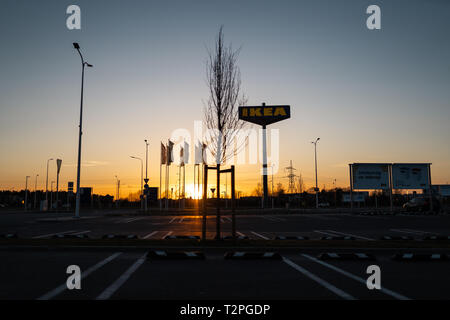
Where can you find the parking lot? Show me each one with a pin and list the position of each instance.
(159, 271)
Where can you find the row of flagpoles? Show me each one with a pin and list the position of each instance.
(167, 159)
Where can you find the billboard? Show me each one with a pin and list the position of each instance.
(370, 176)
(264, 115)
(357, 196)
(410, 175)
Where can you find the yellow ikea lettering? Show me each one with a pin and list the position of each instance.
(267, 111)
(255, 112)
(244, 112)
(279, 111)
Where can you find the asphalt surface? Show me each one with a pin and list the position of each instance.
(119, 272)
(261, 227)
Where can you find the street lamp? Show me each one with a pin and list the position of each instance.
(26, 192)
(46, 184)
(80, 132)
(142, 189)
(315, 158)
(35, 191)
(146, 176)
(51, 195)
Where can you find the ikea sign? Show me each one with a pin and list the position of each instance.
(264, 115)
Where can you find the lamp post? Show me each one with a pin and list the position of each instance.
(46, 184)
(142, 189)
(35, 191)
(51, 195)
(80, 131)
(146, 176)
(315, 159)
(118, 192)
(26, 192)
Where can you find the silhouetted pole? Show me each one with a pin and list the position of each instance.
(142, 188)
(146, 176)
(218, 203)
(26, 193)
(315, 159)
(46, 185)
(233, 204)
(205, 199)
(80, 130)
(35, 191)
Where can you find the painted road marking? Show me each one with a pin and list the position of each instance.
(108, 292)
(181, 220)
(53, 234)
(172, 219)
(352, 276)
(240, 233)
(149, 235)
(410, 232)
(49, 295)
(81, 232)
(168, 234)
(326, 233)
(228, 218)
(320, 281)
(351, 235)
(420, 231)
(259, 235)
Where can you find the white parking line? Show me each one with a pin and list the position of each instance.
(181, 220)
(410, 232)
(81, 232)
(326, 233)
(49, 295)
(172, 219)
(150, 234)
(240, 233)
(168, 234)
(419, 231)
(320, 281)
(351, 235)
(352, 276)
(259, 235)
(228, 218)
(53, 234)
(108, 292)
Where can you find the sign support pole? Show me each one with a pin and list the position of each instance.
(264, 150)
(429, 188)
(351, 187)
(391, 183)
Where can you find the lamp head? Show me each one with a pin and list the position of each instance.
(76, 45)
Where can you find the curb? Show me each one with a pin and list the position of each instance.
(182, 237)
(439, 238)
(290, 238)
(70, 236)
(9, 235)
(239, 255)
(337, 238)
(346, 256)
(120, 236)
(163, 254)
(237, 238)
(397, 238)
(419, 257)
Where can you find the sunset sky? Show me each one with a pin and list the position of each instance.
(370, 95)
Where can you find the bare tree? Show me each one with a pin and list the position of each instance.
(221, 115)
